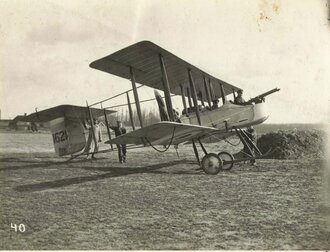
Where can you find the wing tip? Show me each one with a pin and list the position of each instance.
(94, 64)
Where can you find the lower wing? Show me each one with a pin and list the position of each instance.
(164, 133)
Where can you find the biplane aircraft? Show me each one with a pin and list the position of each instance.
(201, 121)
(67, 126)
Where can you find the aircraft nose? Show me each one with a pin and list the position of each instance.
(260, 112)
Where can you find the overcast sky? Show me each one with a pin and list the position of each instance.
(46, 47)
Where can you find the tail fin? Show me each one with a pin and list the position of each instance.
(68, 135)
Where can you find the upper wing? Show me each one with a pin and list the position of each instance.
(68, 111)
(164, 133)
(143, 57)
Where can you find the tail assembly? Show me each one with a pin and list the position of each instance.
(68, 136)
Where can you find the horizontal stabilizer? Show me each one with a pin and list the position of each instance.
(67, 111)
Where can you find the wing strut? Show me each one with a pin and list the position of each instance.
(194, 95)
(136, 97)
(189, 97)
(200, 96)
(184, 100)
(130, 111)
(107, 124)
(167, 90)
(212, 90)
(207, 91)
(223, 95)
(234, 94)
(92, 125)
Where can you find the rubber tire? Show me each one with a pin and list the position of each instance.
(216, 168)
(225, 156)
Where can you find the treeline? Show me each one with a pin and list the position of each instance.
(149, 116)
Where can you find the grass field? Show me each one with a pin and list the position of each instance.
(159, 201)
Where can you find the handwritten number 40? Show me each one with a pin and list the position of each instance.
(18, 228)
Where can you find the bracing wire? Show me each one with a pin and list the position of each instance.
(227, 141)
(166, 147)
(132, 103)
(112, 97)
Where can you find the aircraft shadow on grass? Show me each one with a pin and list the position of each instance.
(37, 164)
(112, 173)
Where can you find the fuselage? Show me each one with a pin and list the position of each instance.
(229, 115)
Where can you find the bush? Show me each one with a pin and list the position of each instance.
(293, 144)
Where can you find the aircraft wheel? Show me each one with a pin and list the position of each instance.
(226, 157)
(211, 164)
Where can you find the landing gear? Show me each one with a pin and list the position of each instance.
(211, 164)
(227, 160)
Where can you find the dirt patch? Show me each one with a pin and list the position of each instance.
(293, 144)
